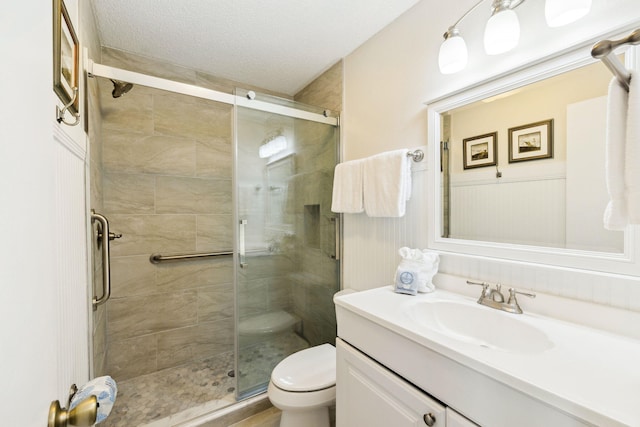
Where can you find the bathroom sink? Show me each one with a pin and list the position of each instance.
(486, 327)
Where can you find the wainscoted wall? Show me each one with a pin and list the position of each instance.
(528, 212)
(371, 244)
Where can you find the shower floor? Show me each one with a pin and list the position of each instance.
(170, 396)
(146, 399)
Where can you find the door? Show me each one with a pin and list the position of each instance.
(287, 266)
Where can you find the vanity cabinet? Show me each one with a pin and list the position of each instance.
(368, 394)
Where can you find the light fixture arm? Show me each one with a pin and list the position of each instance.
(505, 4)
(455, 24)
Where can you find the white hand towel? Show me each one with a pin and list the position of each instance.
(387, 184)
(347, 187)
(632, 152)
(615, 215)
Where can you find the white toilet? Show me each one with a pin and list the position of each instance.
(303, 386)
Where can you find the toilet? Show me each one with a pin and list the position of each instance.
(303, 386)
(267, 326)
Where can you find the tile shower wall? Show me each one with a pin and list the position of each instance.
(167, 188)
(89, 36)
(318, 275)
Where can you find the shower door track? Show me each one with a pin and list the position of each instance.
(106, 71)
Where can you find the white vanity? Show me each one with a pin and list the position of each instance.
(441, 359)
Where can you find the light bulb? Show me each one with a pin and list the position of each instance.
(502, 32)
(563, 12)
(453, 53)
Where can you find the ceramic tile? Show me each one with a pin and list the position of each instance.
(205, 339)
(149, 66)
(147, 234)
(132, 357)
(214, 233)
(191, 118)
(192, 195)
(214, 158)
(326, 90)
(132, 276)
(216, 302)
(131, 113)
(127, 152)
(135, 316)
(192, 274)
(154, 398)
(129, 194)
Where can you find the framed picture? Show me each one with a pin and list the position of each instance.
(480, 151)
(65, 56)
(531, 142)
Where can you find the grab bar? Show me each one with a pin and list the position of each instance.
(103, 230)
(157, 258)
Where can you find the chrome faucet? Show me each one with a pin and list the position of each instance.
(493, 297)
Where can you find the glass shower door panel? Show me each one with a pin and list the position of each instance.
(284, 175)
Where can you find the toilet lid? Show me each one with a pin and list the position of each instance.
(307, 370)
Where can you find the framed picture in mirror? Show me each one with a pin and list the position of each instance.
(480, 151)
(531, 142)
(65, 57)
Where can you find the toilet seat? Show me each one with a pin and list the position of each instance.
(307, 370)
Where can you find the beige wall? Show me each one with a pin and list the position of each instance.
(389, 79)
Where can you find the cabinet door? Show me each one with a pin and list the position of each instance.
(454, 419)
(369, 395)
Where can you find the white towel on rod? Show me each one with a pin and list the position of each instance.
(615, 215)
(347, 187)
(387, 184)
(632, 152)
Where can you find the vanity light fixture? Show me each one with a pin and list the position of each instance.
(502, 30)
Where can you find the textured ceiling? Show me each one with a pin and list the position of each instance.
(280, 45)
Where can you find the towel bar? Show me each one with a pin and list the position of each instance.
(417, 155)
(603, 50)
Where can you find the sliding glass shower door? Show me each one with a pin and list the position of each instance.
(287, 263)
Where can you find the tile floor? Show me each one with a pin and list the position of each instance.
(164, 398)
(159, 395)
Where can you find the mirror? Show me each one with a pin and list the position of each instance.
(518, 167)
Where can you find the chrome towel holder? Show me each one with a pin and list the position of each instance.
(603, 50)
(417, 155)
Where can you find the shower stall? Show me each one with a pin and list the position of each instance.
(229, 255)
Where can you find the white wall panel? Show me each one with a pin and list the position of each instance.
(522, 212)
(371, 244)
(69, 233)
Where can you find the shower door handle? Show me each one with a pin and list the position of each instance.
(336, 226)
(103, 230)
(241, 246)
